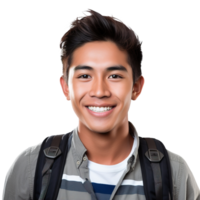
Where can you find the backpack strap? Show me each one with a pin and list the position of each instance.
(156, 170)
(50, 166)
(51, 154)
(155, 157)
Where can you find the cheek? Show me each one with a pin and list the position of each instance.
(123, 92)
(78, 91)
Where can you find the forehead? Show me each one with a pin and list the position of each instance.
(99, 54)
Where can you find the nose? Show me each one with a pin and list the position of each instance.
(99, 89)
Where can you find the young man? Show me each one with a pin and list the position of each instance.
(101, 75)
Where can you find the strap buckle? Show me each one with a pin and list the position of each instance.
(52, 152)
(154, 155)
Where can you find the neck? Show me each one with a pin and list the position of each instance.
(107, 148)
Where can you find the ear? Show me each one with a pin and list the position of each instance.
(137, 88)
(65, 87)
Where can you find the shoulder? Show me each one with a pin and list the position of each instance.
(20, 177)
(184, 184)
(174, 157)
(26, 158)
(179, 166)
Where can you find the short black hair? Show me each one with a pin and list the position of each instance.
(96, 27)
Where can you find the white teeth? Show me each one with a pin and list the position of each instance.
(99, 109)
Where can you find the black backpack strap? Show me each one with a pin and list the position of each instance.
(51, 154)
(168, 166)
(156, 170)
(155, 157)
(50, 166)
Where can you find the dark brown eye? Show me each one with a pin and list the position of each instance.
(115, 76)
(83, 75)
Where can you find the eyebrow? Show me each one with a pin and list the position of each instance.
(111, 68)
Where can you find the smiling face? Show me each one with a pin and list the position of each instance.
(100, 76)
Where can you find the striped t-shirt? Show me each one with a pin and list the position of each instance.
(105, 177)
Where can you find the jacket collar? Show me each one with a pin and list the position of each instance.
(79, 150)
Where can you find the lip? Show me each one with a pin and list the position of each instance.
(100, 114)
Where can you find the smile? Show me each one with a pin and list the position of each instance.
(100, 111)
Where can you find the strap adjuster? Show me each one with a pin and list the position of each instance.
(52, 152)
(154, 155)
